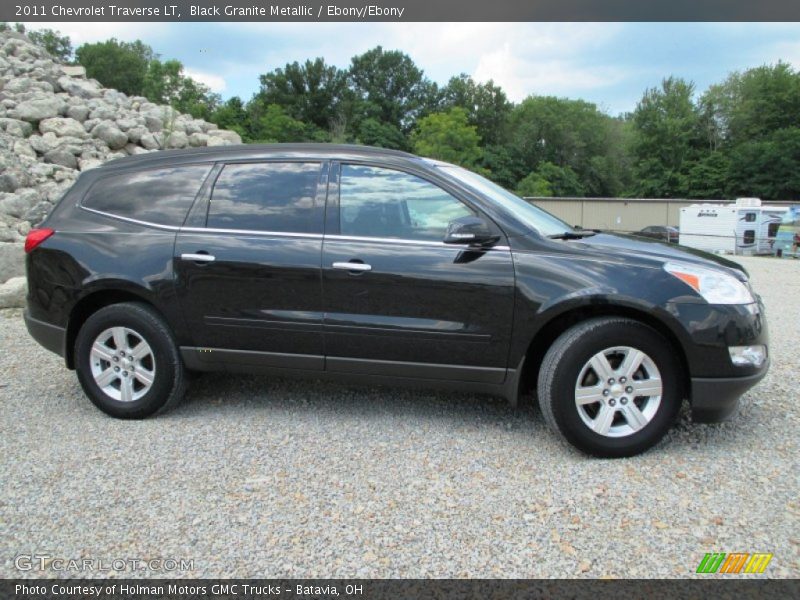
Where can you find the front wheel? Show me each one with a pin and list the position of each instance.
(610, 386)
(127, 361)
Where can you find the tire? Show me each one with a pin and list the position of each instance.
(111, 380)
(604, 419)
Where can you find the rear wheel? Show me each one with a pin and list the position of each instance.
(127, 361)
(610, 386)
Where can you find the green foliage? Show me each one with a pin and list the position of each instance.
(767, 168)
(666, 135)
(166, 83)
(751, 105)
(708, 176)
(534, 185)
(119, 65)
(741, 137)
(447, 136)
(373, 132)
(486, 105)
(275, 126)
(566, 133)
(59, 46)
(389, 87)
(551, 180)
(311, 92)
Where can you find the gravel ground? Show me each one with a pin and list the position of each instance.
(253, 476)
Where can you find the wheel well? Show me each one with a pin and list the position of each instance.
(86, 307)
(548, 334)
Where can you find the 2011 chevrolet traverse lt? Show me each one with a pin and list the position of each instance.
(356, 262)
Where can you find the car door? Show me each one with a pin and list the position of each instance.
(397, 300)
(248, 274)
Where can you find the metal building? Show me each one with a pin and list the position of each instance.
(621, 214)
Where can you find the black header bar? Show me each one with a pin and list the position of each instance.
(399, 10)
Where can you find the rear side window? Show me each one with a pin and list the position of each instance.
(161, 196)
(274, 196)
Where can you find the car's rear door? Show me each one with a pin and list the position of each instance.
(248, 269)
(397, 300)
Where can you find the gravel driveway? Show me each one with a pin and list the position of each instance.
(257, 477)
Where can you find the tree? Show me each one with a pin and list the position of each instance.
(708, 176)
(231, 114)
(486, 104)
(389, 87)
(551, 180)
(312, 92)
(274, 125)
(665, 139)
(567, 133)
(767, 168)
(754, 104)
(119, 65)
(167, 83)
(373, 132)
(447, 136)
(534, 185)
(59, 46)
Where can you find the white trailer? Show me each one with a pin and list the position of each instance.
(745, 227)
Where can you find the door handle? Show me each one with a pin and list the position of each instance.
(352, 266)
(198, 257)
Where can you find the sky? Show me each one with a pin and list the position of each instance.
(609, 64)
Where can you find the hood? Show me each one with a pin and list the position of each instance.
(629, 245)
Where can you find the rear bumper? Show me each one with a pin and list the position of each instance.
(50, 336)
(717, 399)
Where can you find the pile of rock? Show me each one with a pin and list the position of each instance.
(55, 123)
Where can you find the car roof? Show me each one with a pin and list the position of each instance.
(256, 151)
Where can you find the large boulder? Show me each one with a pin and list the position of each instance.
(12, 261)
(110, 134)
(63, 127)
(12, 293)
(38, 108)
(230, 137)
(16, 127)
(83, 88)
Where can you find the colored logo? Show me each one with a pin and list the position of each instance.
(734, 562)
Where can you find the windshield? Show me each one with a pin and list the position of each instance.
(530, 215)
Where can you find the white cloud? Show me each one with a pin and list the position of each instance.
(215, 83)
(524, 58)
(80, 33)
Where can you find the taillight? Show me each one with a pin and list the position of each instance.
(36, 237)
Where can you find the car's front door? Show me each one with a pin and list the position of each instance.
(397, 300)
(249, 280)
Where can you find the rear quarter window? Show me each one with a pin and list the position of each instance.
(160, 196)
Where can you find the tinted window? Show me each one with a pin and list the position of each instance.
(162, 196)
(267, 197)
(377, 202)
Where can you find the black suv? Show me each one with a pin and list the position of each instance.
(355, 262)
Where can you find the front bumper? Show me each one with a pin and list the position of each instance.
(717, 399)
(50, 336)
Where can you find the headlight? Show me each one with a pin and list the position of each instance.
(716, 287)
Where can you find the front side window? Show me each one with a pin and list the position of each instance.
(377, 202)
(161, 196)
(274, 196)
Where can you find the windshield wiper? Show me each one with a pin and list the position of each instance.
(572, 235)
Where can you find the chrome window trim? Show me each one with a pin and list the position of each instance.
(130, 220)
(315, 236)
(356, 238)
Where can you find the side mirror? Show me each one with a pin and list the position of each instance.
(471, 231)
